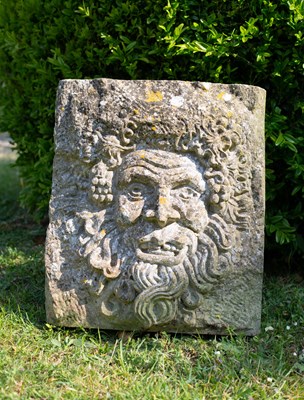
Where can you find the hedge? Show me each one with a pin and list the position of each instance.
(256, 42)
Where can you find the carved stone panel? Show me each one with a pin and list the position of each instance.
(157, 207)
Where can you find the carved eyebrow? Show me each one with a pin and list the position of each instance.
(193, 185)
(190, 178)
(137, 176)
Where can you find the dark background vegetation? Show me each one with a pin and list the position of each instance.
(256, 42)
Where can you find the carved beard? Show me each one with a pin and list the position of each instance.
(155, 290)
(158, 290)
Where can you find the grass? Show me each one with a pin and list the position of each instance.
(39, 361)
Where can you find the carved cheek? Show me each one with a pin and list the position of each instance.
(196, 214)
(189, 210)
(129, 211)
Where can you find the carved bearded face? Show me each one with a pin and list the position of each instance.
(155, 253)
(160, 197)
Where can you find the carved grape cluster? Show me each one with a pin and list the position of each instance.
(101, 184)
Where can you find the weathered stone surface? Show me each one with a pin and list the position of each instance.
(157, 208)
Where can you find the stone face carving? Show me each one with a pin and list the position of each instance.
(156, 215)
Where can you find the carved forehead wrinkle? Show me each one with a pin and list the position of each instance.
(160, 166)
(158, 158)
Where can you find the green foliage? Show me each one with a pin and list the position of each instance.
(256, 42)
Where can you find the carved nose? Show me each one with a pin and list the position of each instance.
(164, 213)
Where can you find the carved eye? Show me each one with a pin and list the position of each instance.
(186, 193)
(137, 191)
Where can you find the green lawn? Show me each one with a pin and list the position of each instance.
(38, 361)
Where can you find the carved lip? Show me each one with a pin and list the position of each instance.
(169, 248)
(168, 253)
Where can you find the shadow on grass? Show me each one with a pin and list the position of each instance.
(22, 283)
(21, 250)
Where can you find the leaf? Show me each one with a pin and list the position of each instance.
(178, 30)
(279, 140)
(197, 46)
(292, 147)
(296, 190)
(131, 45)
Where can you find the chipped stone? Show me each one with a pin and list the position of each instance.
(177, 101)
(206, 85)
(227, 97)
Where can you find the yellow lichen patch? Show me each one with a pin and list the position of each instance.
(229, 114)
(154, 96)
(221, 95)
(142, 154)
(136, 111)
(162, 200)
(91, 90)
(62, 108)
(103, 232)
(153, 128)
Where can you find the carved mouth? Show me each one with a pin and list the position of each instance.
(169, 253)
(169, 249)
(167, 246)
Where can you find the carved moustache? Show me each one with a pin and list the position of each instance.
(167, 246)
